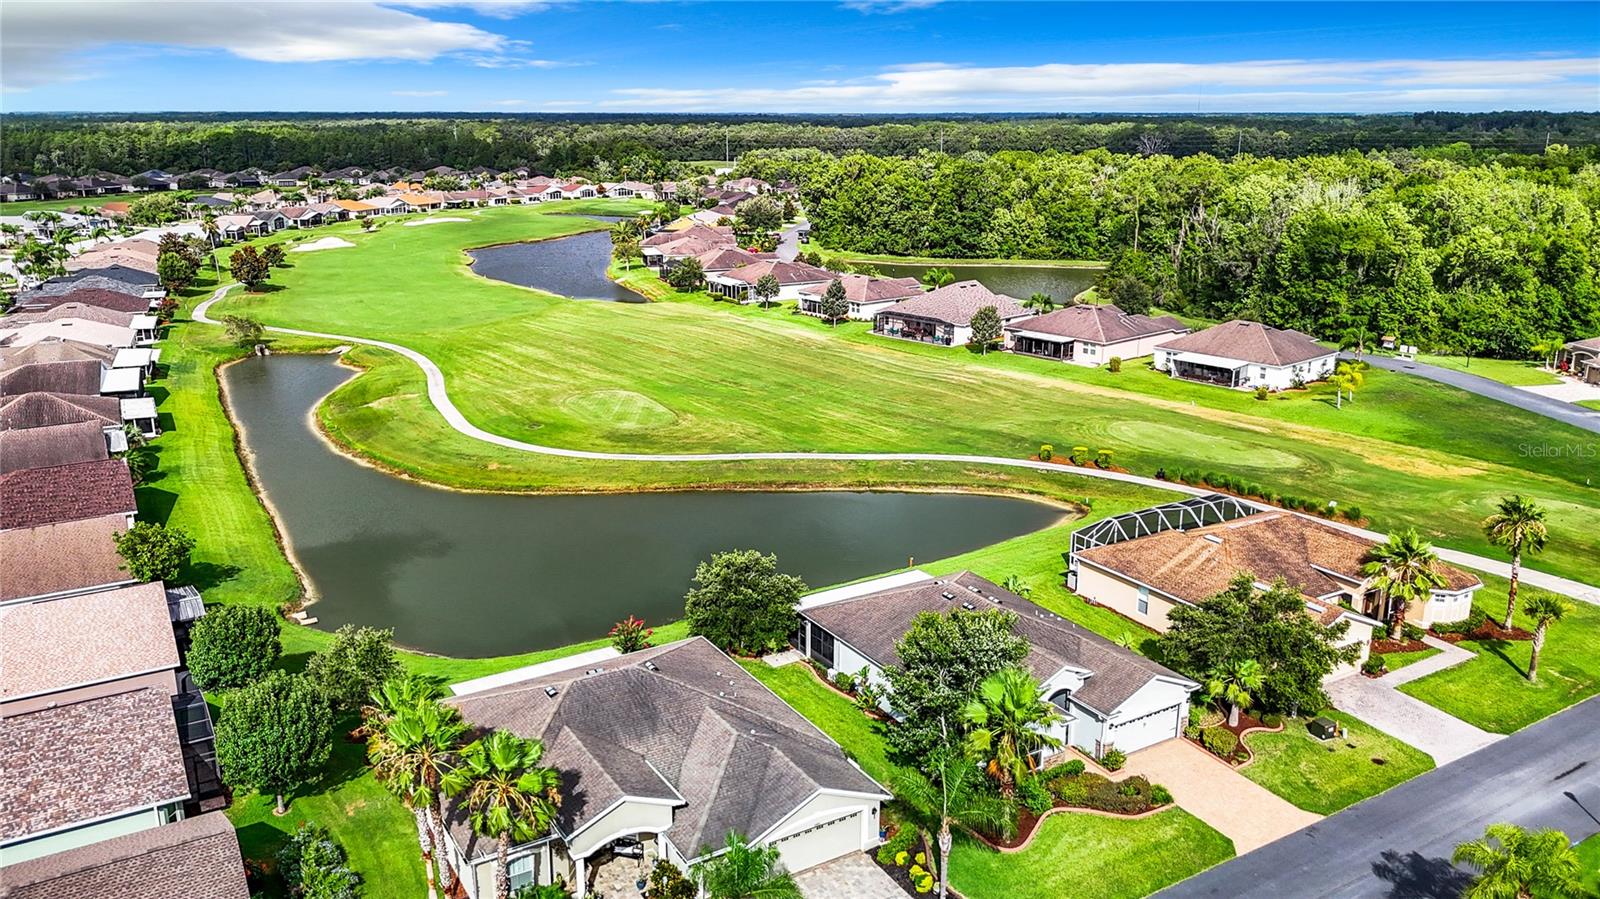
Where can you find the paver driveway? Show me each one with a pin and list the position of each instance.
(1408, 719)
(1245, 812)
(852, 877)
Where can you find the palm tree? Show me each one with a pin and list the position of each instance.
(99, 233)
(1006, 725)
(1040, 302)
(413, 752)
(935, 278)
(396, 694)
(1548, 349)
(1404, 570)
(208, 227)
(509, 796)
(1345, 379)
(1017, 585)
(743, 871)
(1545, 609)
(949, 790)
(1236, 683)
(1519, 864)
(1519, 526)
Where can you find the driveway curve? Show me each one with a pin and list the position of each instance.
(439, 396)
(1564, 412)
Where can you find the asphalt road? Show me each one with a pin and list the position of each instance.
(1577, 416)
(1397, 845)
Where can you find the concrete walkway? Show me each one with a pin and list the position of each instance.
(1565, 412)
(853, 876)
(1570, 390)
(1450, 655)
(439, 396)
(1204, 786)
(1408, 719)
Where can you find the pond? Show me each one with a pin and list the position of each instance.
(568, 266)
(1018, 281)
(470, 574)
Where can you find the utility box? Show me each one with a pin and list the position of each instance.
(1323, 728)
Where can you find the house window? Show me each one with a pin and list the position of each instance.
(1144, 600)
(822, 646)
(522, 871)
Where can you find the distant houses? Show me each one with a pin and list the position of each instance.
(944, 316)
(1090, 334)
(865, 296)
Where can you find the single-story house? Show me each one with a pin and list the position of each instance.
(386, 205)
(1090, 334)
(270, 220)
(577, 190)
(61, 559)
(208, 201)
(45, 409)
(865, 296)
(1581, 358)
(48, 352)
(39, 496)
(747, 185)
(1107, 696)
(717, 260)
(82, 377)
(944, 316)
(291, 177)
(662, 753)
(114, 300)
(95, 769)
(359, 209)
(631, 189)
(68, 444)
(739, 283)
(658, 249)
(195, 857)
(134, 253)
(348, 174)
(301, 216)
(116, 209)
(1246, 355)
(1143, 564)
(416, 202)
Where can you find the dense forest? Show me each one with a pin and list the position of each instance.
(645, 147)
(1436, 246)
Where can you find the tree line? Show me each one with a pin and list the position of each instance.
(1440, 247)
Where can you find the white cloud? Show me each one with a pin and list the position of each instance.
(509, 102)
(1257, 85)
(497, 9)
(44, 43)
(887, 6)
(419, 93)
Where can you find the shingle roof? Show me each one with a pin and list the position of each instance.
(787, 273)
(696, 727)
(722, 236)
(41, 409)
(38, 496)
(71, 555)
(1100, 324)
(50, 351)
(956, 303)
(1248, 341)
(83, 441)
(58, 287)
(1197, 564)
(196, 858)
(115, 300)
(73, 309)
(875, 622)
(120, 273)
(61, 643)
(81, 378)
(89, 759)
(864, 289)
(721, 259)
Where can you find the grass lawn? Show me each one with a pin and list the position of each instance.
(23, 207)
(1590, 404)
(1589, 858)
(1398, 660)
(1085, 856)
(525, 364)
(1516, 372)
(1492, 691)
(1324, 777)
(861, 737)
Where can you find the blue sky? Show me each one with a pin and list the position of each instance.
(859, 56)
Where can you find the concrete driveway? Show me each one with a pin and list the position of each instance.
(1570, 390)
(1410, 720)
(853, 876)
(1245, 812)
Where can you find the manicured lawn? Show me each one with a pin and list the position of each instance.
(1492, 691)
(1590, 404)
(1589, 857)
(23, 207)
(526, 365)
(1089, 856)
(861, 737)
(1516, 372)
(1398, 660)
(1324, 777)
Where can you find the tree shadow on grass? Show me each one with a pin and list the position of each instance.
(154, 504)
(1499, 649)
(1413, 876)
(348, 761)
(207, 575)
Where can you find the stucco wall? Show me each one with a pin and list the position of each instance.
(165, 680)
(627, 819)
(1122, 596)
(133, 822)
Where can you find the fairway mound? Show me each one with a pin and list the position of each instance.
(326, 243)
(436, 220)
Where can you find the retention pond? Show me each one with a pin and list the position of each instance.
(569, 266)
(470, 574)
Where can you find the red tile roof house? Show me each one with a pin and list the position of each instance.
(944, 316)
(1246, 355)
(33, 497)
(660, 249)
(1090, 334)
(717, 260)
(739, 284)
(1142, 564)
(865, 296)
(574, 190)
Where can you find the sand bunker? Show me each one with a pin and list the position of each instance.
(326, 243)
(436, 220)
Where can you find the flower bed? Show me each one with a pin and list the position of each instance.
(1478, 626)
(1384, 647)
(1070, 787)
(1226, 741)
(899, 856)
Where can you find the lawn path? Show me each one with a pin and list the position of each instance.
(439, 395)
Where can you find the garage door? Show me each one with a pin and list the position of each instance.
(825, 842)
(1146, 730)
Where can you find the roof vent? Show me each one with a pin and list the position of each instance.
(551, 692)
(1214, 539)
(948, 595)
(651, 666)
(968, 606)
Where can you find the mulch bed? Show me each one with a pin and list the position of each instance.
(1382, 647)
(899, 875)
(1068, 463)
(1490, 630)
(1247, 723)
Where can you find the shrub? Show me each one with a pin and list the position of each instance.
(1262, 393)
(630, 635)
(868, 694)
(1034, 795)
(1115, 365)
(1161, 473)
(1072, 768)
(1474, 620)
(152, 552)
(1352, 513)
(1411, 631)
(233, 646)
(845, 681)
(1046, 452)
(314, 866)
(1272, 719)
(1113, 759)
(1160, 795)
(1374, 665)
(1219, 740)
(1192, 731)
(667, 882)
(354, 665)
(1102, 458)
(897, 848)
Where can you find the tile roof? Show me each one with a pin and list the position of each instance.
(719, 236)
(41, 409)
(51, 351)
(864, 289)
(114, 300)
(82, 377)
(787, 273)
(57, 644)
(354, 205)
(72, 555)
(721, 259)
(72, 763)
(72, 309)
(1197, 564)
(695, 726)
(956, 303)
(1248, 341)
(37, 496)
(83, 441)
(196, 858)
(1099, 324)
(875, 622)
